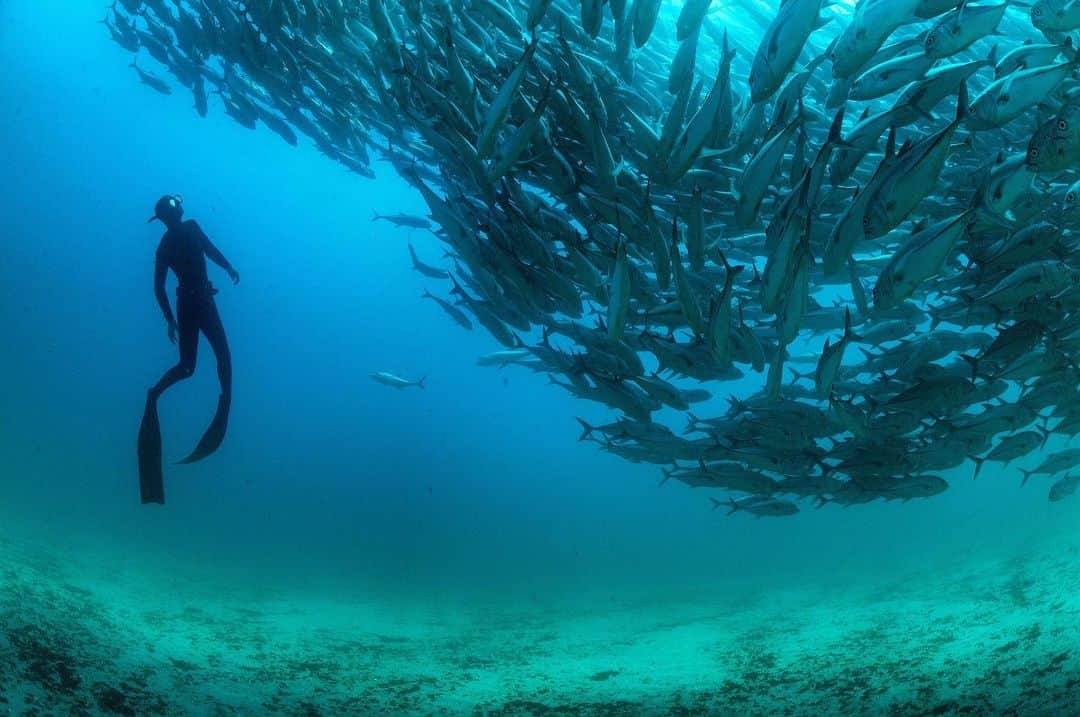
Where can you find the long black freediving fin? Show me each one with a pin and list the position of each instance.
(151, 481)
(215, 434)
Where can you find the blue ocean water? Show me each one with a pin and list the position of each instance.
(463, 516)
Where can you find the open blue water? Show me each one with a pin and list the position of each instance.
(352, 549)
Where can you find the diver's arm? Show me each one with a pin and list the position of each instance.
(215, 255)
(161, 270)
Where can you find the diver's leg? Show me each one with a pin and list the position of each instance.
(214, 331)
(151, 481)
(188, 330)
(212, 328)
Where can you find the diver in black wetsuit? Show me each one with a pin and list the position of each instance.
(184, 248)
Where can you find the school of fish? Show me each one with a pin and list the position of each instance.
(858, 218)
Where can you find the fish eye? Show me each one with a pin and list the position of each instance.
(1036, 11)
(1033, 152)
(930, 40)
(1063, 125)
(1070, 198)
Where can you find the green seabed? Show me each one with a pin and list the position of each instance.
(84, 632)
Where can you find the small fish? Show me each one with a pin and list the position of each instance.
(758, 506)
(890, 76)
(403, 220)
(151, 80)
(781, 45)
(454, 312)
(389, 379)
(961, 28)
(1065, 487)
(426, 269)
(871, 24)
(831, 358)
(1007, 98)
(619, 291)
(1056, 15)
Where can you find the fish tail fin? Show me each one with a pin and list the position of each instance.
(849, 333)
(586, 430)
(935, 318)
(1070, 50)
(723, 260)
(375, 215)
(978, 465)
(1027, 475)
(668, 472)
(733, 506)
(835, 139)
(715, 503)
(800, 376)
(427, 295)
(691, 423)
(1046, 433)
(961, 102)
(972, 361)
(420, 383)
(992, 58)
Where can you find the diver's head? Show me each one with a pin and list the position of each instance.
(169, 209)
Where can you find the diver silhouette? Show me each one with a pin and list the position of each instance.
(184, 248)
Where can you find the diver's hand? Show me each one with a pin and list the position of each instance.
(235, 276)
(172, 331)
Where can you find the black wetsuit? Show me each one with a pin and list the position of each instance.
(184, 249)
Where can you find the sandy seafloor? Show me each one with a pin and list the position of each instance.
(84, 635)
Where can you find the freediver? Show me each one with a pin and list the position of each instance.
(184, 248)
